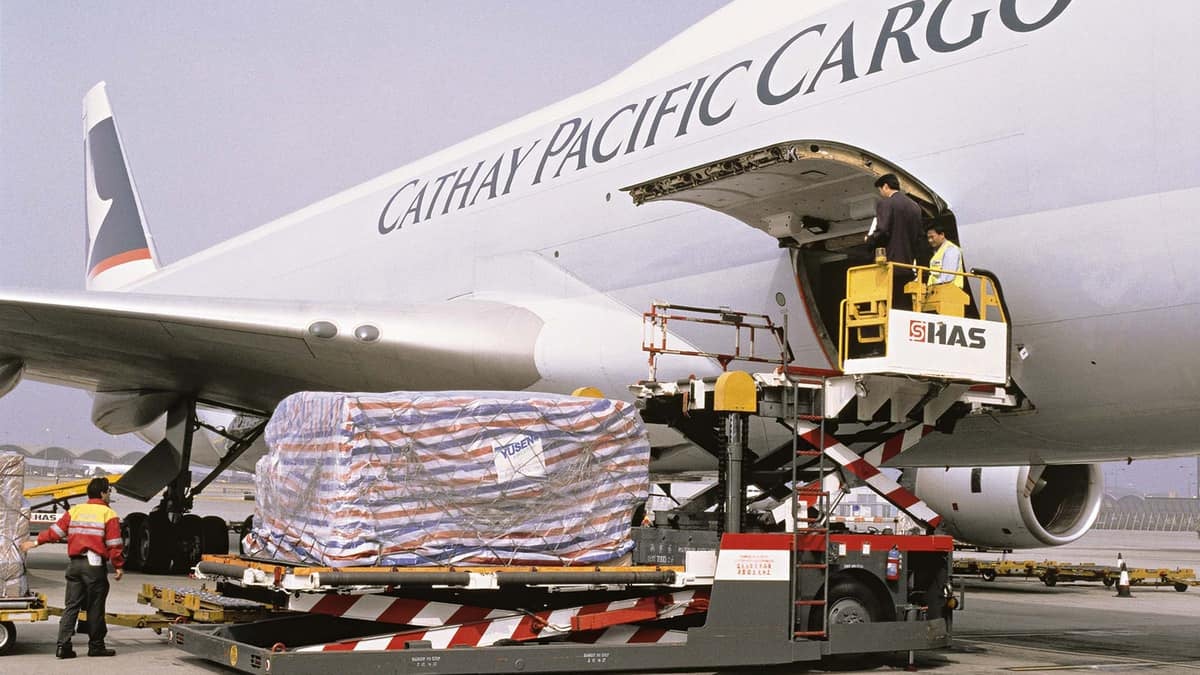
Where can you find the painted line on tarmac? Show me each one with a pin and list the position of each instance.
(1051, 633)
(1080, 666)
(1122, 659)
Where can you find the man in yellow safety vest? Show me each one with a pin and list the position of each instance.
(946, 256)
(93, 534)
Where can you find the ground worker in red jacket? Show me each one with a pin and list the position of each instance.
(93, 534)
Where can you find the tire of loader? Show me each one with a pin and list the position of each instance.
(849, 602)
(937, 595)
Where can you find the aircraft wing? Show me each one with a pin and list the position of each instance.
(250, 353)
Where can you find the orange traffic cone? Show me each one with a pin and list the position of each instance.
(1123, 581)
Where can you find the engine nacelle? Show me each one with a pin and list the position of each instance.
(1014, 506)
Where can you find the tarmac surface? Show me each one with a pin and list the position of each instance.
(1009, 625)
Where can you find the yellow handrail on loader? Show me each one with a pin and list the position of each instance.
(864, 311)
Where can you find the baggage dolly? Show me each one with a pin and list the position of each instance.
(25, 609)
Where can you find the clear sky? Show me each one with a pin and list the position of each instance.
(233, 114)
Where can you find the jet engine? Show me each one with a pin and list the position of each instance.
(1013, 506)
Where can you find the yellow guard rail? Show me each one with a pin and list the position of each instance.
(864, 311)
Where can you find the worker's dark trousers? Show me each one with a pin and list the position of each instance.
(87, 588)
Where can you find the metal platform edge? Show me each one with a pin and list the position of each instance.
(703, 649)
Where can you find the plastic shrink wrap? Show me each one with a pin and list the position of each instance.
(436, 478)
(14, 526)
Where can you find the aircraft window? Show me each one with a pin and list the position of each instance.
(976, 480)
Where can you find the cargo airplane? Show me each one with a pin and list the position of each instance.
(1053, 137)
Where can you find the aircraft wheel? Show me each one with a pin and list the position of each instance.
(215, 535)
(190, 543)
(247, 525)
(8, 636)
(131, 534)
(157, 543)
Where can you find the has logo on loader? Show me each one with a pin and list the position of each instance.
(937, 332)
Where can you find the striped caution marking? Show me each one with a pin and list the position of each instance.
(387, 609)
(896, 444)
(600, 623)
(870, 474)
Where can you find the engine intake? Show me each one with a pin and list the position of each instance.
(1014, 506)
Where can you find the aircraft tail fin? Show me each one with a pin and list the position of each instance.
(120, 249)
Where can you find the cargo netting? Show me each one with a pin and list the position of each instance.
(438, 478)
(14, 526)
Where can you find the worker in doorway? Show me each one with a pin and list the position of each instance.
(93, 534)
(898, 228)
(946, 256)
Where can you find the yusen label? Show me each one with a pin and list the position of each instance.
(518, 456)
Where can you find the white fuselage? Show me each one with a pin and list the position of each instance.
(1066, 151)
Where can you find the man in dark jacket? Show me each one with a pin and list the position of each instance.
(898, 227)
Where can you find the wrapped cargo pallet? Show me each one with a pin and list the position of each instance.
(14, 526)
(436, 478)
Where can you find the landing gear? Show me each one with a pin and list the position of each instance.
(169, 538)
(189, 543)
(157, 543)
(198, 536)
(131, 535)
(214, 532)
(163, 547)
